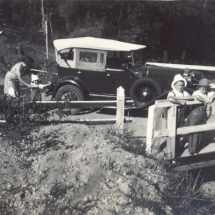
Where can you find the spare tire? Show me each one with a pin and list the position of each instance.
(144, 90)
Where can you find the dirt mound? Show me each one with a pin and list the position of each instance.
(69, 169)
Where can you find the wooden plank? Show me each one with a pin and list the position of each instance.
(166, 103)
(120, 109)
(86, 104)
(106, 102)
(207, 149)
(129, 102)
(78, 104)
(154, 123)
(188, 159)
(196, 128)
(150, 128)
(85, 121)
(171, 126)
(195, 165)
(163, 103)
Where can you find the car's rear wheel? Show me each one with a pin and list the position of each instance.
(144, 90)
(71, 93)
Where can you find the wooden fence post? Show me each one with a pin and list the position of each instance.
(150, 128)
(154, 123)
(171, 126)
(120, 109)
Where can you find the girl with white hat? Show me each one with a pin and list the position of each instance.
(200, 114)
(179, 96)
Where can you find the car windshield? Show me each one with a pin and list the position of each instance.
(67, 54)
(137, 57)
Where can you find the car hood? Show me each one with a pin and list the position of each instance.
(158, 69)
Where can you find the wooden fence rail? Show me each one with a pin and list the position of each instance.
(119, 103)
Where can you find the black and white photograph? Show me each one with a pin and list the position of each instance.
(107, 107)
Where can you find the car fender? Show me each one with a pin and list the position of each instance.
(144, 70)
(76, 82)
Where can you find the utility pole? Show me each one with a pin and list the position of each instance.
(43, 15)
(45, 27)
(46, 31)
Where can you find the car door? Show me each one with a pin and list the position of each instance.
(90, 66)
(116, 76)
(115, 73)
(91, 79)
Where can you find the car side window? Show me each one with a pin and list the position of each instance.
(88, 57)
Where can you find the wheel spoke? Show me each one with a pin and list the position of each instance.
(70, 93)
(69, 96)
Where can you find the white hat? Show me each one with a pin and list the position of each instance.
(177, 78)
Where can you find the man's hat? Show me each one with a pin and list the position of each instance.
(204, 82)
(177, 78)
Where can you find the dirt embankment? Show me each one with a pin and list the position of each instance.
(67, 169)
(82, 170)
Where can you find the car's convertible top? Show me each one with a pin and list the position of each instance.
(95, 43)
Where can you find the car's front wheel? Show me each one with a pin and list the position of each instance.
(144, 90)
(71, 93)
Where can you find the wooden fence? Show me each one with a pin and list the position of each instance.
(162, 129)
(119, 103)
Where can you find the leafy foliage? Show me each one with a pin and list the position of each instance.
(172, 26)
(22, 114)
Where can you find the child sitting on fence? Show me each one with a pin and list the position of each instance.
(199, 114)
(179, 96)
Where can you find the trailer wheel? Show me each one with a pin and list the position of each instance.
(144, 90)
(71, 93)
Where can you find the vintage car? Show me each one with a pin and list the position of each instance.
(93, 68)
